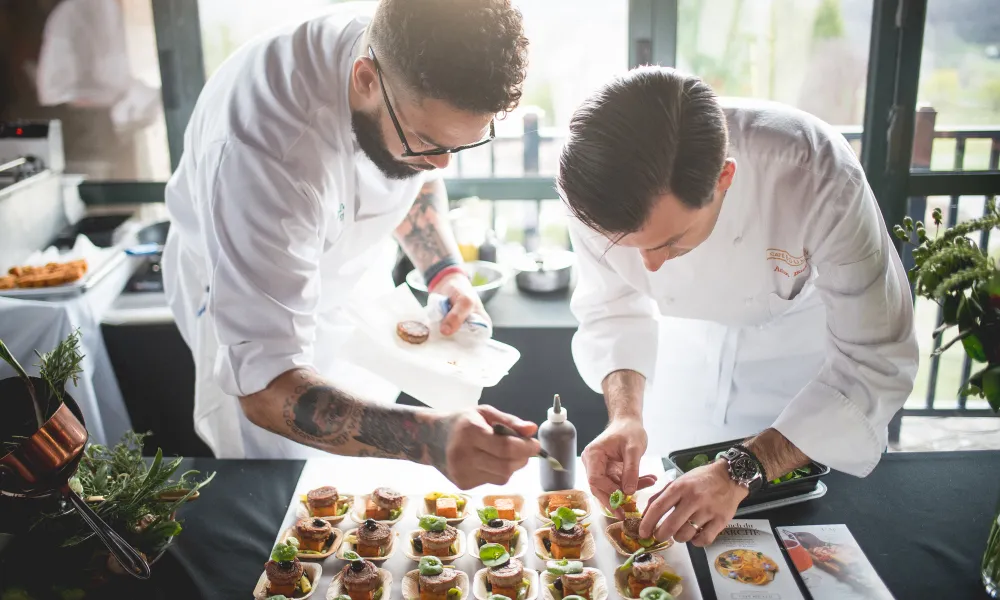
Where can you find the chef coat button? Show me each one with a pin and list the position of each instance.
(736, 242)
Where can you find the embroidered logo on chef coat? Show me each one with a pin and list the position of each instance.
(340, 212)
(793, 265)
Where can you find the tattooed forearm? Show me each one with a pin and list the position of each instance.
(424, 234)
(302, 407)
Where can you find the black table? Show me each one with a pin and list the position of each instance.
(922, 520)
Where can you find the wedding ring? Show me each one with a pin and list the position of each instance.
(695, 525)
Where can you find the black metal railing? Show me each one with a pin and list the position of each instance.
(540, 146)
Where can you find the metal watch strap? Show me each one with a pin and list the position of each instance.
(742, 454)
(760, 465)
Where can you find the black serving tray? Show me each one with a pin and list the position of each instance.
(771, 491)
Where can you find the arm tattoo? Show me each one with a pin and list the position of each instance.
(424, 234)
(326, 418)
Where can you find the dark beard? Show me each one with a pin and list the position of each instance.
(369, 135)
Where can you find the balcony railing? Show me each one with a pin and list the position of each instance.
(536, 154)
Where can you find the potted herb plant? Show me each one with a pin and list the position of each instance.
(953, 271)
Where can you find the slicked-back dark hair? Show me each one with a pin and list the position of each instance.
(649, 132)
(469, 53)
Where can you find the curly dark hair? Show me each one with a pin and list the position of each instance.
(469, 53)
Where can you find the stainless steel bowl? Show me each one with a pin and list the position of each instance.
(545, 272)
(493, 276)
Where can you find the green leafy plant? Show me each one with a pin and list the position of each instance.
(950, 269)
(137, 500)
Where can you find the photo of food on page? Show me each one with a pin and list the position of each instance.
(831, 563)
(747, 563)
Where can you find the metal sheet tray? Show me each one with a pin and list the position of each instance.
(115, 258)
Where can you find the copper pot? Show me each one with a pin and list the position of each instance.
(41, 466)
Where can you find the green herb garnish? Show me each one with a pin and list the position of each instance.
(493, 555)
(498, 597)
(564, 518)
(487, 514)
(284, 553)
(343, 508)
(433, 523)
(377, 595)
(563, 567)
(454, 594)
(430, 565)
(352, 556)
(631, 559)
(616, 499)
(395, 514)
(655, 593)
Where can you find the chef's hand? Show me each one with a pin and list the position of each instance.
(475, 456)
(612, 461)
(464, 301)
(705, 497)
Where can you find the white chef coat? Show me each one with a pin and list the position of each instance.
(795, 313)
(278, 222)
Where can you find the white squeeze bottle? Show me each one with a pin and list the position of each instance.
(558, 437)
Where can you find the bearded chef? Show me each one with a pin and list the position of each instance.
(751, 232)
(303, 157)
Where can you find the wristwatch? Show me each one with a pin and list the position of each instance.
(744, 468)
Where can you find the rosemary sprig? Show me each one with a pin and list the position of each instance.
(61, 364)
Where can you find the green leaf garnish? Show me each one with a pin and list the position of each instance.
(655, 593)
(617, 499)
(430, 565)
(573, 597)
(395, 514)
(487, 514)
(292, 541)
(498, 597)
(341, 597)
(493, 555)
(280, 597)
(454, 594)
(562, 567)
(433, 523)
(352, 556)
(564, 518)
(283, 552)
(631, 559)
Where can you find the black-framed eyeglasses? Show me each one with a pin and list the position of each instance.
(407, 151)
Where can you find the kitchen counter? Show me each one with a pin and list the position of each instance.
(921, 518)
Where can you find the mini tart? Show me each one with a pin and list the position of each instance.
(330, 545)
(599, 591)
(622, 544)
(516, 501)
(365, 505)
(373, 537)
(501, 534)
(551, 501)
(446, 554)
(419, 586)
(567, 544)
(313, 533)
(518, 546)
(323, 502)
(506, 579)
(311, 571)
(580, 584)
(384, 582)
(586, 549)
(482, 591)
(344, 500)
(383, 552)
(624, 580)
(283, 577)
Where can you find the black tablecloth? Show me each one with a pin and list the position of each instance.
(921, 519)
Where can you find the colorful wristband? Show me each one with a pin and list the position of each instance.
(444, 273)
(433, 270)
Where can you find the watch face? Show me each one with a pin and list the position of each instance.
(744, 468)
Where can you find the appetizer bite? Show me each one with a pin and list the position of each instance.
(361, 579)
(571, 580)
(449, 506)
(630, 537)
(508, 506)
(372, 539)
(496, 530)
(285, 574)
(573, 500)
(437, 581)
(327, 502)
(384, 504)
(508, 580)
(644, 572)
(565, 537)
(625, 502)
(436, 538)
(313, 534)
